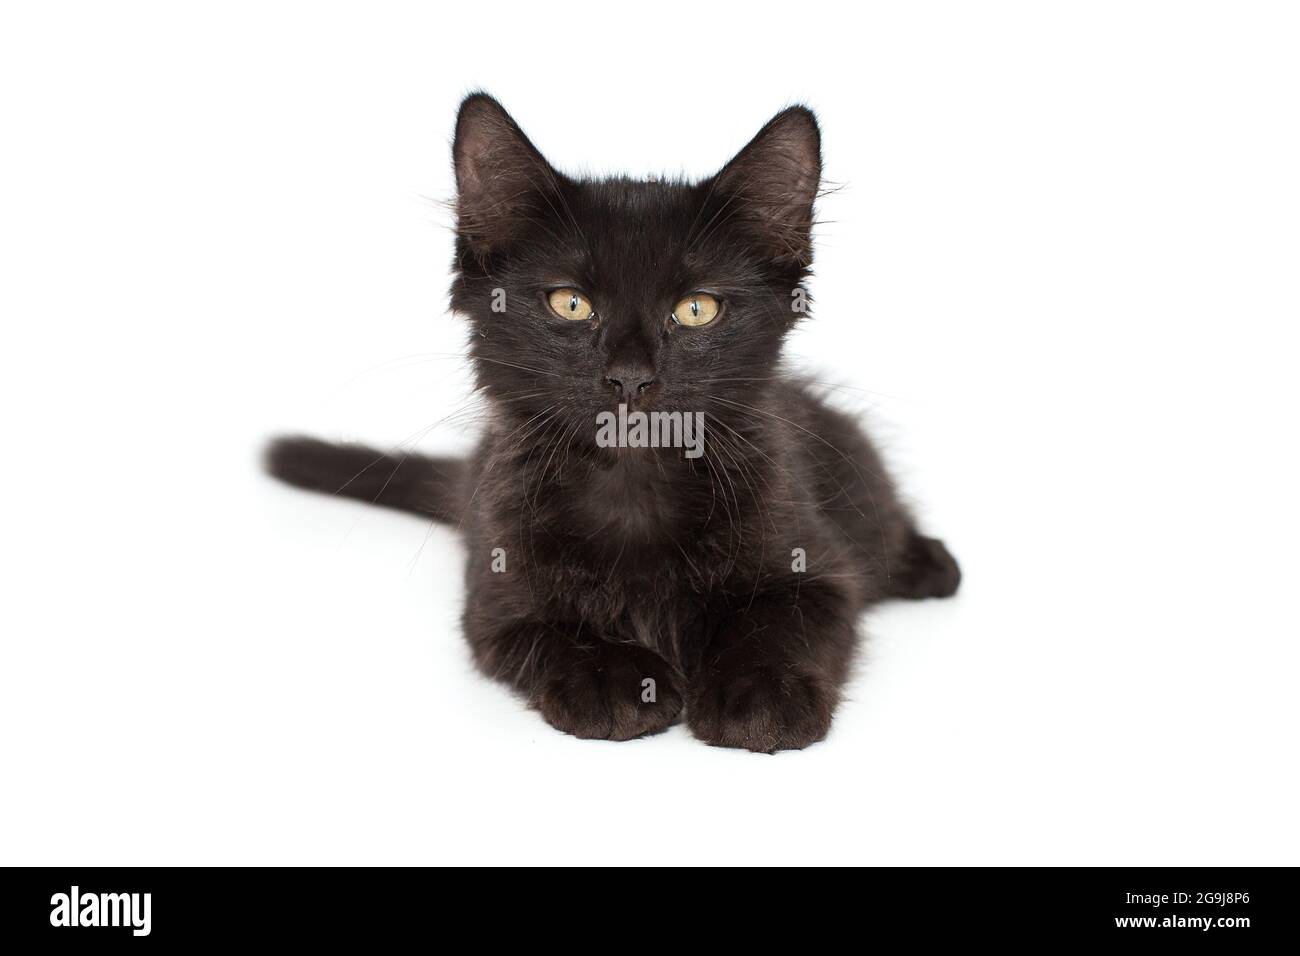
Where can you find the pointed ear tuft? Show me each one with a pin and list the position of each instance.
(775, 179)
(500, 175)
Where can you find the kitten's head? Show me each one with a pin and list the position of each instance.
(664, 295)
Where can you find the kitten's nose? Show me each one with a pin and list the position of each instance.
(630, 379)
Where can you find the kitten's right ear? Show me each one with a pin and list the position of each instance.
(499, 173)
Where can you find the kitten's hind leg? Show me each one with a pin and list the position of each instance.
(924, 569)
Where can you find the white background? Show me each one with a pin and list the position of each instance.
(1059, 279)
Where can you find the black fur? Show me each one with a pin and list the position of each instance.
(627, 564)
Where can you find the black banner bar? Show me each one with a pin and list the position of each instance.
(136, 907)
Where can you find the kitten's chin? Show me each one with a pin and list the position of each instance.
(607, 458)
(635, 459)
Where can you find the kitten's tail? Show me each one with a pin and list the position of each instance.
(418, 483)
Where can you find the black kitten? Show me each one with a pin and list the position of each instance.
(616, 586)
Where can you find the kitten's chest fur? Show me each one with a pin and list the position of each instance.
(639, 501)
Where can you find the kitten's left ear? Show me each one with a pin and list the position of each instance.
(776, 178)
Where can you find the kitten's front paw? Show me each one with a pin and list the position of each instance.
(761, 706)
(601, 692)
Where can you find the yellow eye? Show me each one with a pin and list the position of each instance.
(570, 304)
(698, 309)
